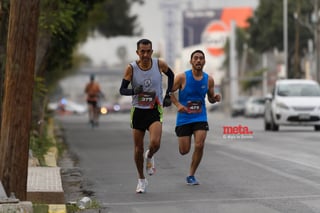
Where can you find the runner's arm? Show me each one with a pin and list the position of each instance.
(212, 97)
(169, 73)
(178, 84)
(170, 76)
(124, 90)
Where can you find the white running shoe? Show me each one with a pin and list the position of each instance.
(142, 185)
(150, 166)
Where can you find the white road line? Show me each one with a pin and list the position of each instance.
(211, 200)
(273, 170)
(255, 151)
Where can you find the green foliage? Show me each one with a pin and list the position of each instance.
(60, 20)
(73, 208)
(241, 43)
(57, 17)
(67, 23)
(40, 144)
(242, 47)
(40, 208)
(40, 92)
(254, 79)
(62, 24)
(112, 18)
(40, 89)
(266, 25)
(267, 30)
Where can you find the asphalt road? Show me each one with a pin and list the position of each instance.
(264, 172)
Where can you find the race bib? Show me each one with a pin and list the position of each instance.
(146, 99)
(194, 106)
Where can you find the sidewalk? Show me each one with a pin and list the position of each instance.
(44, 186)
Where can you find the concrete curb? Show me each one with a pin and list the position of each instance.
(23, 207)
(44, 183)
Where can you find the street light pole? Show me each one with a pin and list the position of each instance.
(316, 40)
(315, 21)
(285, 36)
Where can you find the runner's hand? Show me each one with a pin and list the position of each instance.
(167, 101)
(138, 89)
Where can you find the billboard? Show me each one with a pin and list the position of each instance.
(194, 22)
(209, 30)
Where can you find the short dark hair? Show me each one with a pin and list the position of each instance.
(144, 41)
(197, 51)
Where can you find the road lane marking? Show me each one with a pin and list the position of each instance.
(273, 170)
(249, 199)
(276, 157)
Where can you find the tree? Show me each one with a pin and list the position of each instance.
(112, 18)
(3, 37)
(62, 24)
(17, 102)
(266, 29)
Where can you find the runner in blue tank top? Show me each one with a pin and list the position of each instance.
(193, 85)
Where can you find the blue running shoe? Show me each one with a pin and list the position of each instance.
(191, 180)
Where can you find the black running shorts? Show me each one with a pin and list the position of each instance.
(142, 118)
(93, 103)
(188, 129)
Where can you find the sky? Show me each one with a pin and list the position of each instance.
(102, 51)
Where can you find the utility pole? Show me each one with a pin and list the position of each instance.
(296, 62)
(169, 9)
(234, 81)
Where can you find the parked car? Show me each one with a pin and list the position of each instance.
(254, 107)
(293, 102)
(67, 106)
(107, 108)
(238, 107)
(214, 107)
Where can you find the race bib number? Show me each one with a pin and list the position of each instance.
(194, 106)
(146, 99)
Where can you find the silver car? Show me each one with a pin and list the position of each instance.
(293, 102)
(254, 107)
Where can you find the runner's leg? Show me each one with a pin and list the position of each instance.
(138, 137)
(199, 139)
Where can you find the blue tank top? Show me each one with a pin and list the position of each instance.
(193, 96)
(151, 80)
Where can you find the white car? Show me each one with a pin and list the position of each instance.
(293, 102)
(238, 107)
(68, 106)
(254, 107)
